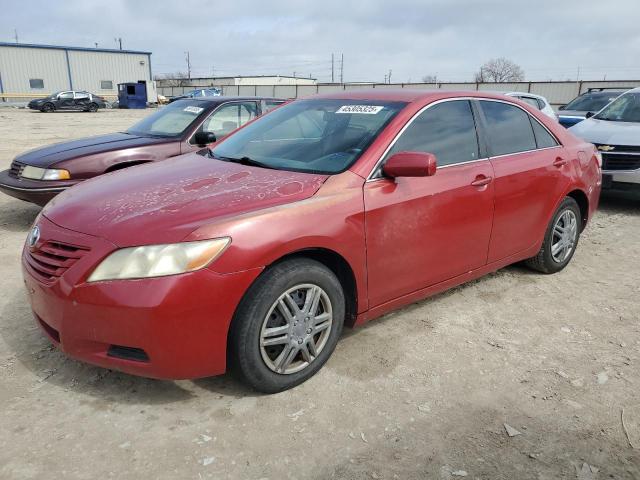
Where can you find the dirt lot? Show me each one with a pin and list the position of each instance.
(422, 393)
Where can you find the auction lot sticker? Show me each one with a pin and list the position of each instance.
(366, 109)
(195, 110)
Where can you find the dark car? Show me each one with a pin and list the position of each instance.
(592, 101)
(69, 100)
(181, 127)
(202, 92)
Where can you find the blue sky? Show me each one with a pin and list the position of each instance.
(413, 38)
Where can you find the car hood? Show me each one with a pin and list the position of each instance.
(166, 201)
(571, 113)
(51, 154)
(607, 132)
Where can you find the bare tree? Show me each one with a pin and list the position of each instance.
(176, 79)
(430, 79)
(500, 70)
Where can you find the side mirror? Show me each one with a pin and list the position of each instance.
(562, 107)
(203, 139)
(589, 115)
(410, 164)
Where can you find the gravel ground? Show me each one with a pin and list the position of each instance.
(419, 394)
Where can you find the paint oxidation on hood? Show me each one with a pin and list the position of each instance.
(164, 202)
(58, 152)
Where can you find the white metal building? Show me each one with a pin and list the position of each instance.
(28, 71)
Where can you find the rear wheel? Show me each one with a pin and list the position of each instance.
(287, 325)
(560, 240)
(47, 108)
(93, 107)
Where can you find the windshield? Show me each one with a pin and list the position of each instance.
(591, 102)
(316, 136)
(169, 121)
(625, 108)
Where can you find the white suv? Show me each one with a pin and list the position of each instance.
(536, 101)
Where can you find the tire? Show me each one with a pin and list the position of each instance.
(302, 336)
(93, 107)
(549, 259)
(47, 108)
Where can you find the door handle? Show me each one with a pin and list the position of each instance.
(559, 162)
(481, 181)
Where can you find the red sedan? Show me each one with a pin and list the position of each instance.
(331, 210)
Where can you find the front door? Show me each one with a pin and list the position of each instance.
(422, 231)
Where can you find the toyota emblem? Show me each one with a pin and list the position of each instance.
(34, 236)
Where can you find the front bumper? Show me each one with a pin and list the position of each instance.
(620, 180)
(34, 191)
(179, 322)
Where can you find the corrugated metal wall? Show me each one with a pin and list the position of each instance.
(18, 65)
(87, 69)
(558, 93)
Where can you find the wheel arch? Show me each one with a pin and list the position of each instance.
(583, 202)
(340, 267)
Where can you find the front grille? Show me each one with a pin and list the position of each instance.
(51, 259)
(620, 161)
(16, 169)
(619, 148)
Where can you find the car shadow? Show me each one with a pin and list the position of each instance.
(28, 345)
(18, 216)
(620, 202)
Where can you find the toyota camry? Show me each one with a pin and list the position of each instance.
(329, 211)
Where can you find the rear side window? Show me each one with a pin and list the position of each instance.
(271, 104)
(447, 130)
(543, 138)
(508, 127)
(531, 101)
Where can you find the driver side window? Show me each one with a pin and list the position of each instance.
(229, 117)
(65, 96)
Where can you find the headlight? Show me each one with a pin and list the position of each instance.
(36, 173)
(159, 260)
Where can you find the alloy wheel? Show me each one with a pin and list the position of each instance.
(565, 234)
(296, 329)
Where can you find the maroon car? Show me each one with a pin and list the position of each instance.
(181, 127)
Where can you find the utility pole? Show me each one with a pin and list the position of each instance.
(385, 78)
(96, 44)
(15, 34)
(294, 74)
(389, 77)
(118, 41)
(332, 74)
(188, 65)
(342, 68)
(578, 75)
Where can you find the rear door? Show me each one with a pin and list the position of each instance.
(422, 231)
(528, 163)
(81, 100)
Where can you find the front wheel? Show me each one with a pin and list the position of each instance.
(47, 108)
(560, 240)
(287, 325)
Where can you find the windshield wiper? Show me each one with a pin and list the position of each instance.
(242, 160)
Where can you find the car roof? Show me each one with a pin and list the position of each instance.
(222, 99)
(525, 94)
(409, 95)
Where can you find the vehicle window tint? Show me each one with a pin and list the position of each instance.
(230, 117)
(447, 130)
(81, 95)
(508, 127)
(65, 95)
(543, 138)
(541, 103)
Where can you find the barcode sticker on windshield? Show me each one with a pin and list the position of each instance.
(195, 110)
(366, 109)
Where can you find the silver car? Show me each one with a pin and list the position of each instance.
(615, 131)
